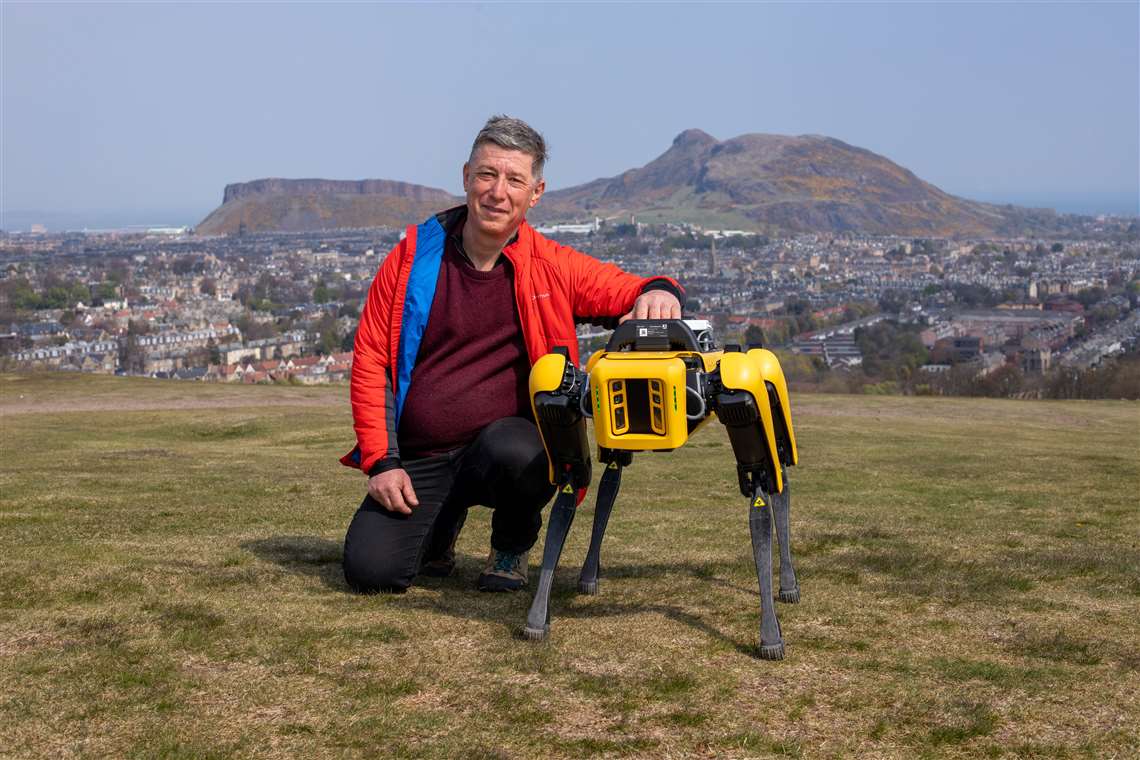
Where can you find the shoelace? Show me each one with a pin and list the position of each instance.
(505, 561)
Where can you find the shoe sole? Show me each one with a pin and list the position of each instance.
(495, 583)
(436, 571)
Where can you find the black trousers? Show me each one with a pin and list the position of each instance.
(504, 468)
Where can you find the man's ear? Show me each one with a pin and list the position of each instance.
(465, 170)
(539, 189)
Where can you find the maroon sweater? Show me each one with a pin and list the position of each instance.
(472, 368)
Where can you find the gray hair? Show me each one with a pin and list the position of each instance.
(513, 134)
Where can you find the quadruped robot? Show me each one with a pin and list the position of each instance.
(656, 382)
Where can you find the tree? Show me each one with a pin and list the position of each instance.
(186, 264)
(890, 351)
(252, 330)
(1091, 296)
(19, 294)
(892, 301)
(971, 294)
(1102, 314)
(349, 341)
(720, 325)
(795, 306)
(1004, 382)
(131, 355)
(329, 340)
(105, 291)
(754, 336)
(322, 294)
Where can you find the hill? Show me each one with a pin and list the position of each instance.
(782, 184)
(770, 183)
(170, 586)
(299, 205)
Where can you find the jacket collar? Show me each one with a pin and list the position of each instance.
(452, 220)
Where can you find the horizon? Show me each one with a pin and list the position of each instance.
(96, 221)
(1001, 103)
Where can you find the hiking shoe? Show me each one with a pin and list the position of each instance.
(504, 571)
(439, 563)
(439, 567)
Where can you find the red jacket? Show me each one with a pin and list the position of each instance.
(554, 285)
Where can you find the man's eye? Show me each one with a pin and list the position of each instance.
(516, 182)
(485, 175)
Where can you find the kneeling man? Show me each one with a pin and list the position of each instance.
(459, 311)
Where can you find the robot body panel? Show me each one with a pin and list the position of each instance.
(749, 420)
(772, 373)
(555, 388)
(639, 401)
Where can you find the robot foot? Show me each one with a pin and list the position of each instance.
(536, 634)
(589, 588)
(772, 651)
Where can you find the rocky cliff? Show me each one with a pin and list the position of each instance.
(298, 205)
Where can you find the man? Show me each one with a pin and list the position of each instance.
(459, 311)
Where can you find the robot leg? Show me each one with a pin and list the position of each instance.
(760, 526)
(608, 489)
(781, 507)
(561, 518)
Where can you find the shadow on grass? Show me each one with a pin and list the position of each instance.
(705, 572)
(321, 558)
(456, 597)
(310, 556)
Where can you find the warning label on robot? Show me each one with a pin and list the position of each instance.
(660, 330)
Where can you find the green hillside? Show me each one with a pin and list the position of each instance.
(170, 586)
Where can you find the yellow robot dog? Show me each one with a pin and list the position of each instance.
(654, 384)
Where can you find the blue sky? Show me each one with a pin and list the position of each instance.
(145, 111)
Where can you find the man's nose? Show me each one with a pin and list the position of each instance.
(499, 187)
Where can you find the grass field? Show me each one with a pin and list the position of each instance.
(170, 586)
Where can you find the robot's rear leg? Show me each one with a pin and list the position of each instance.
(781, 508)
(760, 526)
(561, 518)
(608, 489)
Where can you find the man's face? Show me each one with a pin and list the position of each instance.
(500, 189)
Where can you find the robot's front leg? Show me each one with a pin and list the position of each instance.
(608, 489)
(556, 389)
(561, 518)
(760, 526)
(781, 508)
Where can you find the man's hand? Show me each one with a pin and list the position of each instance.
(393, 489)
(654, 304)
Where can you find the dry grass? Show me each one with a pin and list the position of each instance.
(170, 587)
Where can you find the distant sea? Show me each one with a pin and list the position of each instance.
(66, 221)
(1092, 204)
